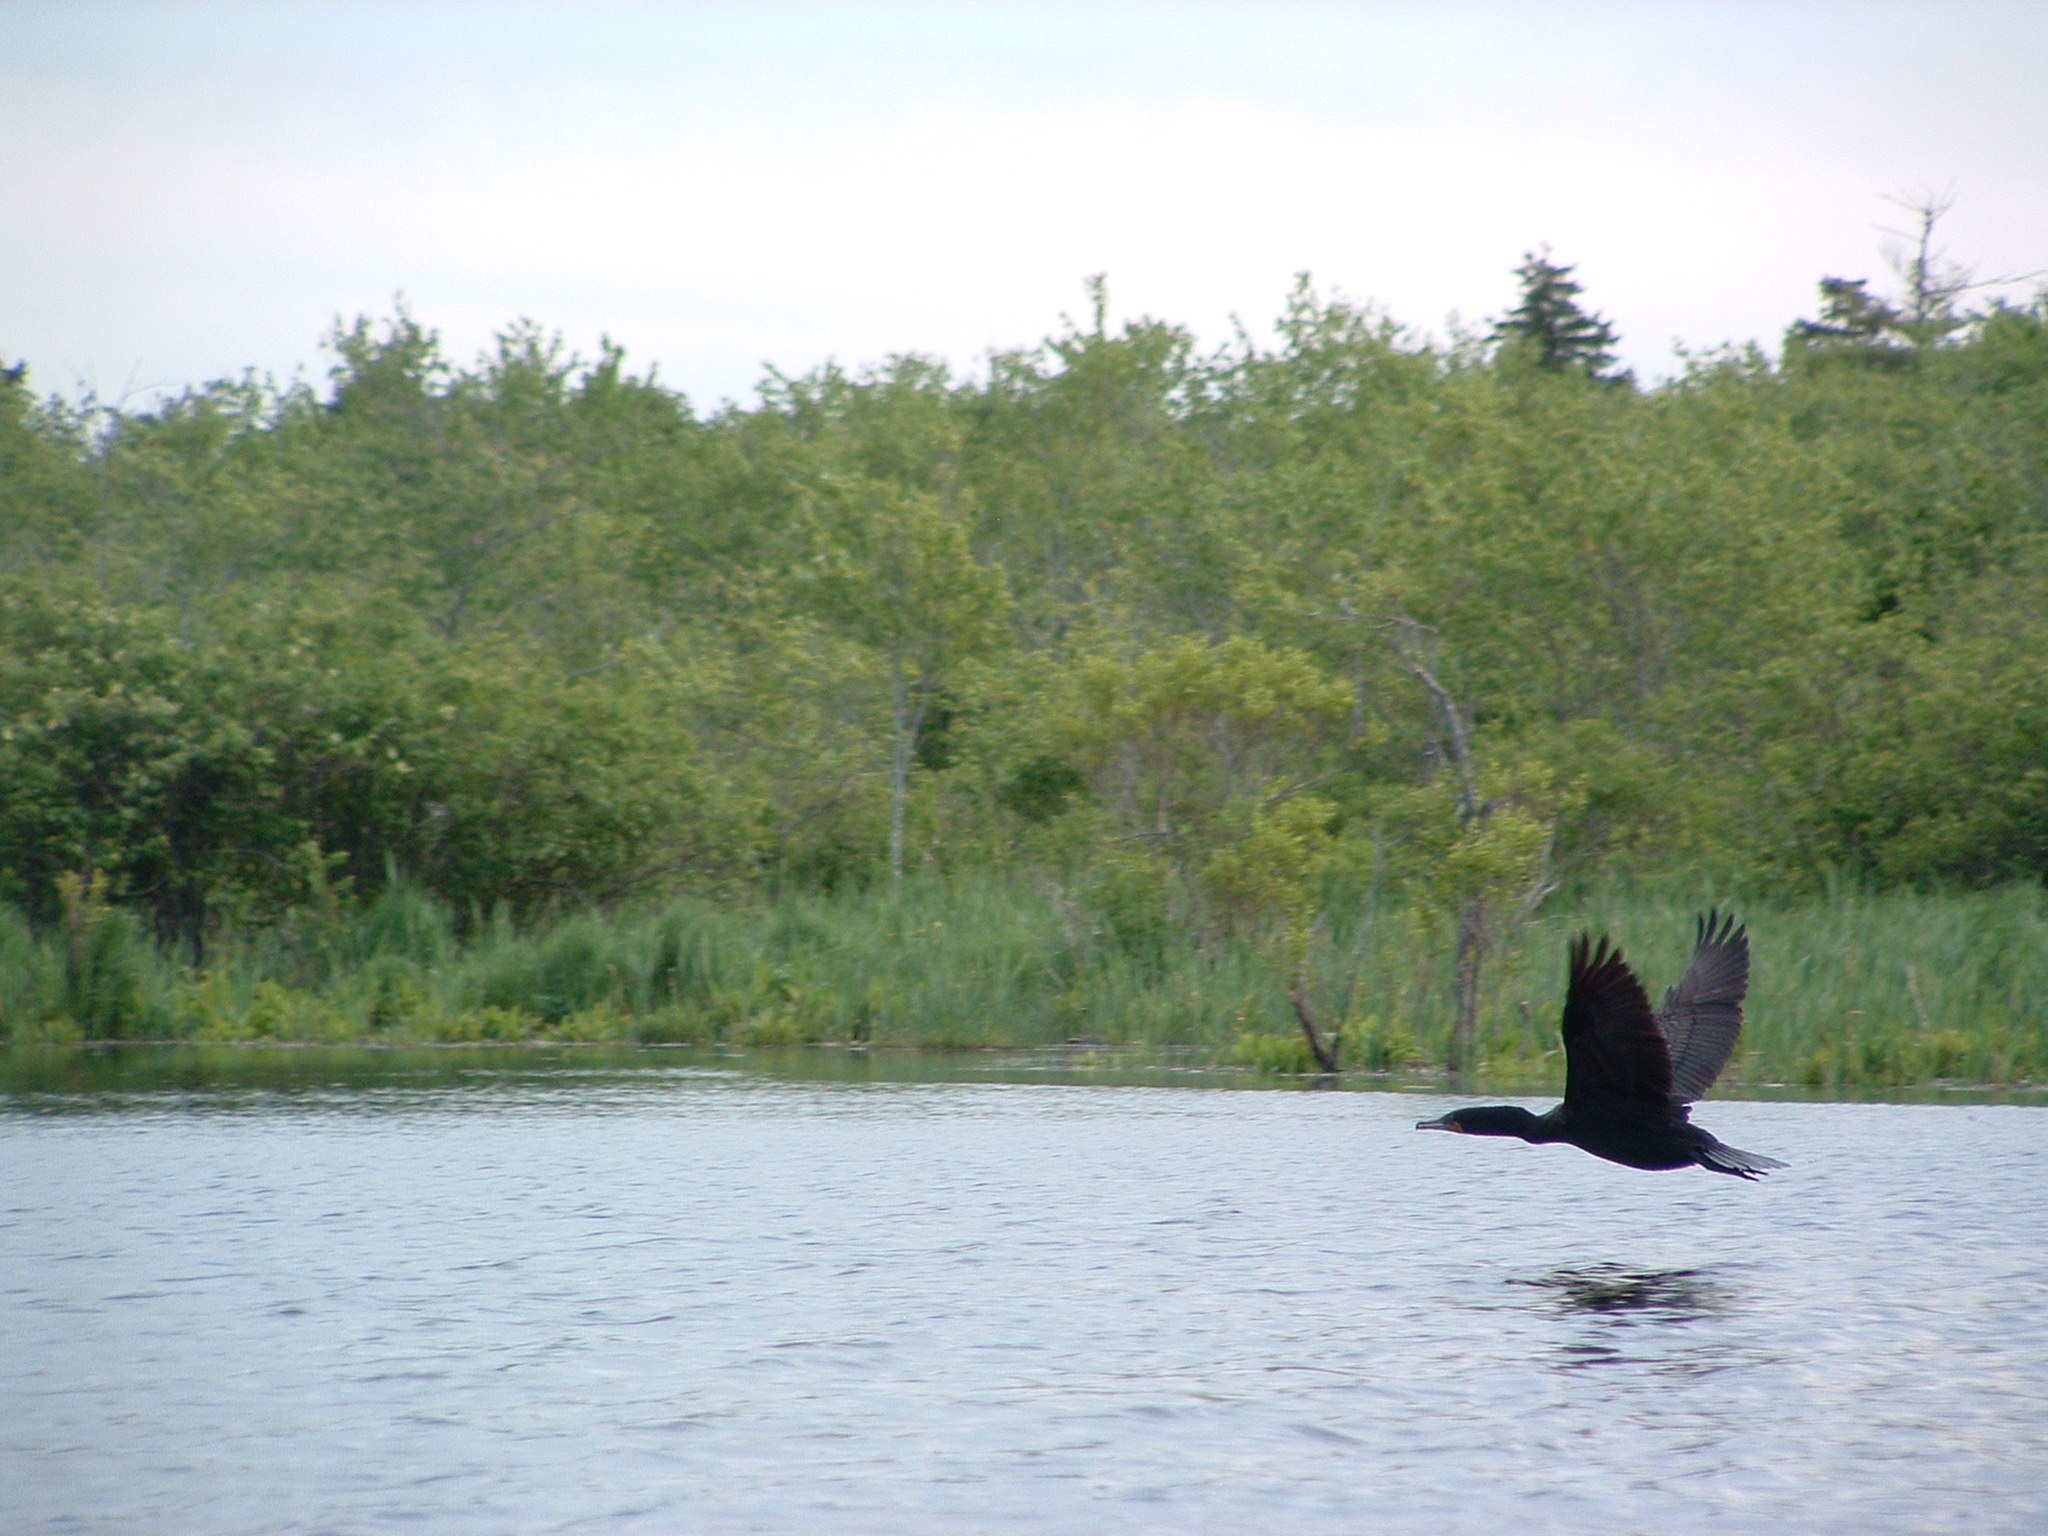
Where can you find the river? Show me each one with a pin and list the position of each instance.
(689, 1298)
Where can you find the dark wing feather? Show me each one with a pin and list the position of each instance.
(1702, 1016)
(1613, 1049)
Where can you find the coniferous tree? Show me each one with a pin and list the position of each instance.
(1854, 324)
(1549, 321)
(1849, 311)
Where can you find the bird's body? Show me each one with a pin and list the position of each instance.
(1631, 1074)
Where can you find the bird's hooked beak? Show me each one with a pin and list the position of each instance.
(1441, 1123)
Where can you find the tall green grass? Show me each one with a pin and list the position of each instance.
(1848, 990)
(1851, 989)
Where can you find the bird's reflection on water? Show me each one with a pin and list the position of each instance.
(1613, 1297)
(1666, 1295)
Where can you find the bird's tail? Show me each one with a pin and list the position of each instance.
(1723, 1158)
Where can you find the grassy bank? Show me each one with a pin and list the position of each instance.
(1849, 990)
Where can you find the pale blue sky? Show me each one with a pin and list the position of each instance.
(190, 190)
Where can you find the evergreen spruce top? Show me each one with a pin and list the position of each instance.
(1562, 336)
(1855, 326)
(1849, 311)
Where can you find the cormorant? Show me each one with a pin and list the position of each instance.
(1629, 1074)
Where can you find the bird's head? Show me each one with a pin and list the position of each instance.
(1484, 1120)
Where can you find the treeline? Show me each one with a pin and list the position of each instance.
(1223, 646)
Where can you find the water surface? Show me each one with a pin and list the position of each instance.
(680, 1298)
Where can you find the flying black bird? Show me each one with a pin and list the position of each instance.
(1629, 1074)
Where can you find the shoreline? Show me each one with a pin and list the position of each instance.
(31, 1071)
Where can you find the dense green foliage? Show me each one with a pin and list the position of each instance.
(1180, 660)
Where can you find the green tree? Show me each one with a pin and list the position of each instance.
(46, 489)
(1854, 322)
(1092, 483)
(1208, 759)
(896, 571)
(225, 773)
(1552, 327)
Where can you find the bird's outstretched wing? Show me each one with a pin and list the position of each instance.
(1613, 1049)
(1702, 1016)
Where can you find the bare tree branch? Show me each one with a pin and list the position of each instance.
(1416, 645)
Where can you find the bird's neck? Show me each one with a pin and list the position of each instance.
(1506, 1120)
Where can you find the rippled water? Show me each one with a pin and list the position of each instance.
(680, 1300)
